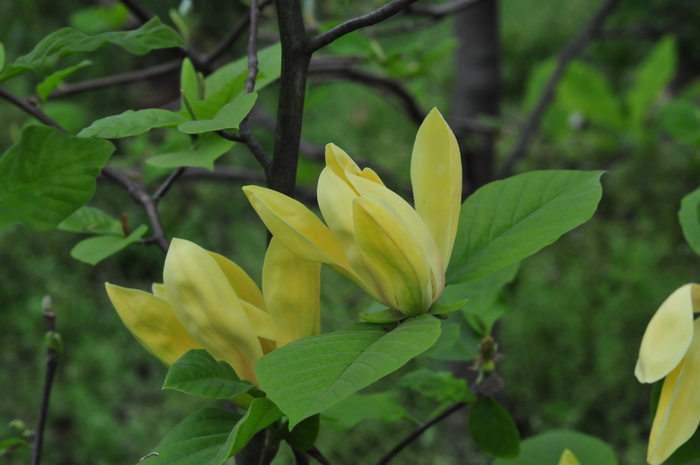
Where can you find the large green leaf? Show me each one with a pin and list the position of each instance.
(48, 175)
(91, 220)
(132, 123)
(197, 439)
(492, 428)
(96, 249)
(506, 221)
(203, 154)
(651, 77)
(67, 41)
(198, 373)
(307, 376)
(269, 66)
(229, 117)
(357, 407)
(546, 449)
(261, 414)
(689, 217)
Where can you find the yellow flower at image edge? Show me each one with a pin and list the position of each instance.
(207, 301)
(671, 348)
(395, 253)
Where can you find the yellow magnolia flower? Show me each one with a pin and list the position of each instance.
(568, 458)
(207, 301)
(396, 253)
(671, 348)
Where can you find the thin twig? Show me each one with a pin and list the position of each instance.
(374, 17)
(572, 50)
(52, 360)
(167, 184)
(418, 431)
(318, 456)
(252, 47)
(31, 110)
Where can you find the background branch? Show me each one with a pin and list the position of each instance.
(572, 50)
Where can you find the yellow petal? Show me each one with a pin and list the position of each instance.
(152, 322)
(436, 176)
(667, 336)
(568, 458)
(413, 223)
(292, 292)
(394, 251)
(209, 308)
(339, 162)
(245, 287)
(678, 414)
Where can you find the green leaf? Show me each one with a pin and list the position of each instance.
(229, 117)
(269, 66)
(91, 220)
(205, 152)
(100, 18)
(189, 81)
(48, 175)
(2, 56)
(51, 82)
(546, 449)
(681, 120)
(652, 76)
(307, 376)
(587, 90)
(214, 101)
(96, 249)
(304, 435)
(441, 386)
(67, 41)
(482, 311)
(261, 414)
(493, 430)
(689, 217)
(456, 343)
(132, 123)
(197, 440)
(198, 373)
(11, 443)
(506, 221)
(359, 407)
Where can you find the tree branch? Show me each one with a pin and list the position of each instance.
(374, 17)
(572, 50)
(418, 431)
(31, 110)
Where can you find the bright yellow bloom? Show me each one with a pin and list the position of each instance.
(207, 301)
(671, 348)
(396, 253)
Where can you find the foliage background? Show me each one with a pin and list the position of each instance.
(574, 315)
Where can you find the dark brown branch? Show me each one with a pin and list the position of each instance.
(52, 361)
(418, 431)
(369, 19)
(437, 12)
(138, 10)
(252, 47)
(572, 50)
(31, 110)
(167, 184)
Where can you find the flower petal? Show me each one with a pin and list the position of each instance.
(394, 252)
(436, 176)
(568, 458)
(208, 307)
(152, 322)
(292, 289)
(678, 413)
(242, 284)
(667, 336)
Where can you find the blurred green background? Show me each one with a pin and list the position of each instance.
(574, 314)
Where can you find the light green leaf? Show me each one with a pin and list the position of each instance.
(197, 439)
(358, 407)
(269, 66)
(261, 414)
(214, 101)
(189, 81)
(2, 56)
(198, 373)
(456, 343)
(493, 430)
(689, 217)
(132, 123)
(51, 82)
(441, 386)
(206, 150)
(652, 76)
(46, 55)
(681, 120)
(307, 376)
(546, 449)
(100, 18)
(228, 117)
(91, 220)
(48, 175)
(506, 221)
(96, 249)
